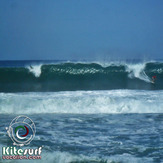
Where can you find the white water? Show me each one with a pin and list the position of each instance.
(35, 69)
(65, 157)
(83, 102)
(137, 71)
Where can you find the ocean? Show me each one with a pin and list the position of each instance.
(86, 112)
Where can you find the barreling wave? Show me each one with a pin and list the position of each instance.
(81, 76)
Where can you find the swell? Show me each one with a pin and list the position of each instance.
(80, 76)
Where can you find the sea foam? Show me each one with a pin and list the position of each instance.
(83, 102)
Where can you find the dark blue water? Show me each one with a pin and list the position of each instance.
(86, 112)
(127, 138)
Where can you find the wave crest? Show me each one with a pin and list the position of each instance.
(81, 76)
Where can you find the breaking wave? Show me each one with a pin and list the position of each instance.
(82, 102)
(81, 76)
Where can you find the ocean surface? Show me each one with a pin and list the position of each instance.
(86, 112)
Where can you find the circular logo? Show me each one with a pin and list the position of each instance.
(21, 130)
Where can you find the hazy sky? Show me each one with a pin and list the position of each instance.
(81, 29)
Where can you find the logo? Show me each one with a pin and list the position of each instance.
(21, 130)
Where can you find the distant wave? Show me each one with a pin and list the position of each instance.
(83, 102)
(81, 76)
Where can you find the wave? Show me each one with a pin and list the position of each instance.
(82, 102)
(65, 157)
(81, 76)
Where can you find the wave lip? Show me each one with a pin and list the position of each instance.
(83, 102)
(137, 71)
(36, 70)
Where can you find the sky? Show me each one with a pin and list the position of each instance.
(81, 29)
